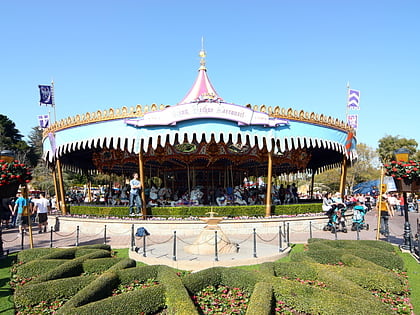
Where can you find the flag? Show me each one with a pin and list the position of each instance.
(45, 92)
(352, 121)
(353, 101)
(44, 121)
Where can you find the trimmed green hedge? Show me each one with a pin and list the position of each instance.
(145, 301)
(314, 300)
(225, 211)
(34, 293)
(141, 274)
(27, 255)
(261, 301)
(38, 266)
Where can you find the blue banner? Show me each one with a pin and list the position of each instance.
(44, 121)
(45, 93)
(354, 98)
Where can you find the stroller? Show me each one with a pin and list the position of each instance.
(336, 218)
(359, 212)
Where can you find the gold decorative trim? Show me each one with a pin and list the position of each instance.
(139, 111)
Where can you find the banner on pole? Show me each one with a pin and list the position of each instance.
(44, 121)
(45, 93)
(353, 100)
(352, 121)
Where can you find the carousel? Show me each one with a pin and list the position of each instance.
(202, 141)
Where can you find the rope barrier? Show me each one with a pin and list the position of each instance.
(12, 239)
(267, 241)
(100, 233)
(249, 236)
(158, 243)
(63, 235)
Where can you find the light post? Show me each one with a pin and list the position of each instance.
(401, 155)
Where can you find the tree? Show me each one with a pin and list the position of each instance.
(10, 138)
(388, 144)
(364, 169)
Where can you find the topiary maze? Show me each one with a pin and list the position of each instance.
(329, 277)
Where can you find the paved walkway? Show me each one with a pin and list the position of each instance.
(160, 249)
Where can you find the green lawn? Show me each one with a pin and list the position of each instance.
(413, 273)
(6, 297)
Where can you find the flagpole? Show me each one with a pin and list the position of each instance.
(347, 102)
(53, 100)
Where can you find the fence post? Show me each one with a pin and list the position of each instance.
(255, 243)
(288, 234)
(144, 245)
(132, 237)
(216, 257)
(310, 229)
(174, 248)
(51, 237)
(21, 240)
(335, 233)
(105, 234)
(77, 236)
(280, 240)
(357, 232)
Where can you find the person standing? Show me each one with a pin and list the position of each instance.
(42, 207)
(386, 211)
(21, 220)
(135, 190)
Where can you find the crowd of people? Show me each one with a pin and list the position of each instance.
(392, 203)
(13, 215)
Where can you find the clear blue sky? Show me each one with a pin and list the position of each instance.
(298, 54)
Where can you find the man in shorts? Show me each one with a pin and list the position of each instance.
(42, 207)
(21, 220)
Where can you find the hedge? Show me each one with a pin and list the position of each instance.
(177, 298)
(334, 256)
(27, 255)
(225, 211)
(38, 266)
(141, 274)
(71, 268)
(34, 293)
(261, 301)
(313, 300)
(98, 289)
(99, 265)
(145, 301)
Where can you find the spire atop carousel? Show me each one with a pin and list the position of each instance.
(202, 89)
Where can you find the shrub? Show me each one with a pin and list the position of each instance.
(38, 266)
(67, 253)
(293, 270)
(313, 300)
(71, 268)
(238, 278)
(99, 265)
(34, 293)
(124, 264)
(197, 281)
(98, 289)
(138, 273)
(178, 300)
(27, 255)
(226, 211)
(144, 301)
(261, 301)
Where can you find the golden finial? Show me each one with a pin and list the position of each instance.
(202, 55)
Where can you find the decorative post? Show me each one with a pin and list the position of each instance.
(62, 201)
(343, 177)
(142, 180)
(269, 185)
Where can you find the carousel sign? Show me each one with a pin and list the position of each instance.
(216, 110)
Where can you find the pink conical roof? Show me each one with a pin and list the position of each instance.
(202, 89)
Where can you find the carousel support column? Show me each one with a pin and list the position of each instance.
(312, 184)
(269, 185)
(56, 189)
(343, 177)
(62, 201)
(142, 180)
(89, 184)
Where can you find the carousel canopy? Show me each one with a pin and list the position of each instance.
(202, 130)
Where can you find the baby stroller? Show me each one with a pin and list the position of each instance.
(359, 213)
(336, 218)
